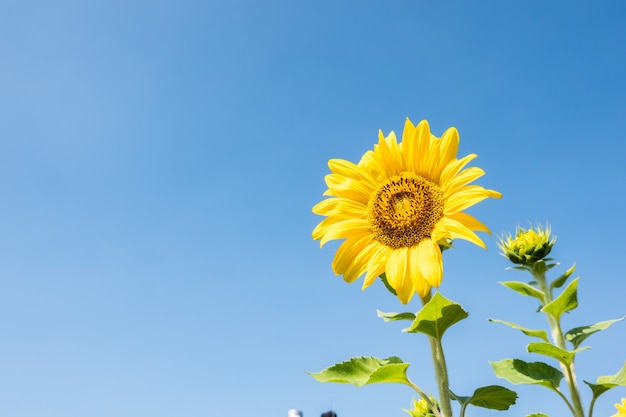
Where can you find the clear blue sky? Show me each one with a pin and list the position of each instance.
(158, 165)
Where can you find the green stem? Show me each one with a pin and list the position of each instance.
(441, 371)
(593, 402)
(569, 405)
(559, 340)
(431, 405)
(463, 407)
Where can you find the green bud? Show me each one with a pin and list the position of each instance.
(528, 246)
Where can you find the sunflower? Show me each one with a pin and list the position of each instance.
(397, 206)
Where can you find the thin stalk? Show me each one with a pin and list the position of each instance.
(463, 407)
(569, 405)
(431, 405)
(441, 371)
(593, 402)
(559, 340)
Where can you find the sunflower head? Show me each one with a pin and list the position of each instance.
(528, 246)
(399, 207)
(422, 409)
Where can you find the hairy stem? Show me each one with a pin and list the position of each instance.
(559, 340)
(441, 371)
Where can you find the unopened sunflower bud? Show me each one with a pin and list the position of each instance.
(528, 246)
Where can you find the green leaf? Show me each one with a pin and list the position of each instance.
(437, 316)
(541, 266)
(395, 316)
(548, 349)
(605, 383)
(537, 415)
(568, 300)
(521, 268)
(558, 283)
(524, 289)
(541, 334)
(597, 390)
(619, 379)
(578, 334)
(364, 371)
(383, 278)
(460, 399)
(493, 397)
(517, 371)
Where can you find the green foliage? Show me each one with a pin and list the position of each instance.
(537, 415)
(524, 289)
(364, 371)
(566, 301)
(605, 383)
(558, 283)
(438, 315)
(619, 379)
(548, 349)
(597, 389)
(493, 397)
(395, 316)
(541, 334)
(542, 267)
(517, 371)
(383, 278)
(578, 334)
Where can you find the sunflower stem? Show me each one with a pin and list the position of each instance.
(559, 340)
(441, 370)
(425, 397)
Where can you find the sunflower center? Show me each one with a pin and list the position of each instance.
(404, 210)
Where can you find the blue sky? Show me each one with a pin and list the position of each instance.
(158, 165)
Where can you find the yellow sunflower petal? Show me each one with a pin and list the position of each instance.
(470, 222)
(422, 147)
(376, 264)
(467, 197)
(346, 255)
(430, 262)
(398, 276)
(350, 170)
(421, 273)
(458, 230)
(453, 168)
(360, 256)
(360, 263)
(389, 153)
(621, 409)
(422, 288)
(440, 232)
(343, 229)
(341, 208)
(321, 228)
(449, 145)
(462, 179)
(408, 131)
(431, 170)
(409, 145)
(342, 186)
